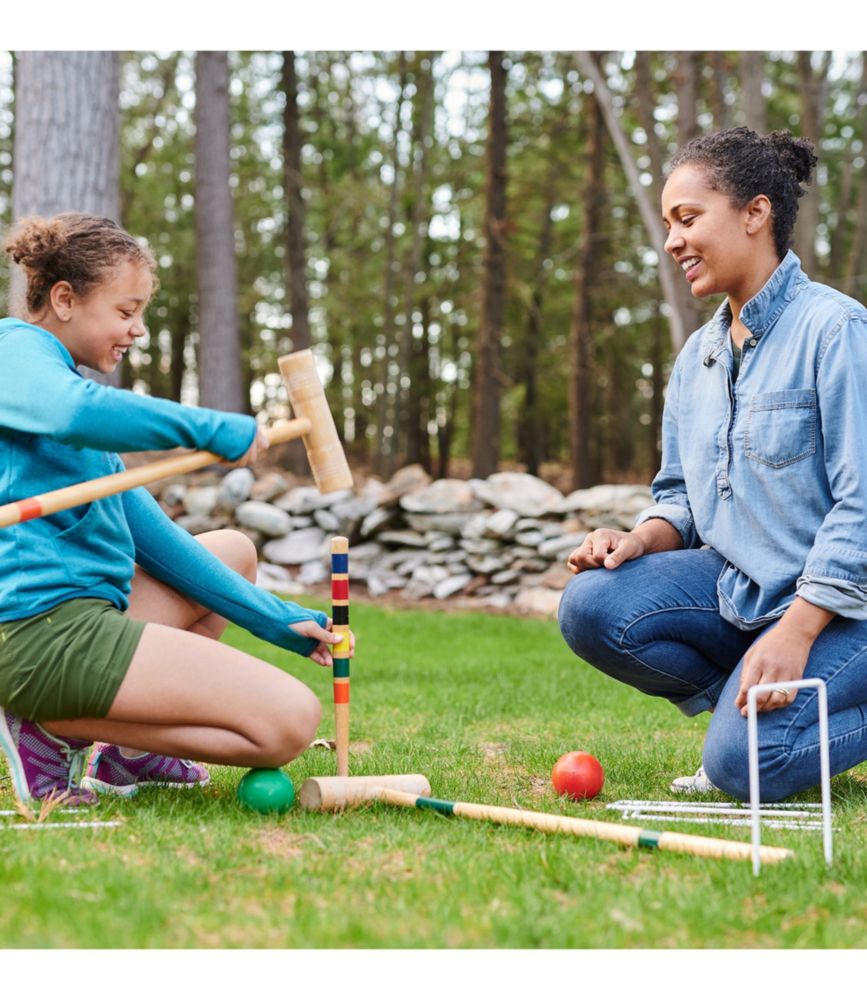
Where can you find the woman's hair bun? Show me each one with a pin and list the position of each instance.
(796, 155)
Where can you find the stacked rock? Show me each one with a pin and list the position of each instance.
(500, 542)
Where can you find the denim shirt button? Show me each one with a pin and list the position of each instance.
(753, 342)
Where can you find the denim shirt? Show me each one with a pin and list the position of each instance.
(771, 470)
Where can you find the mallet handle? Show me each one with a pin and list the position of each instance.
(340, 651)
(96, 489)
(619, 833)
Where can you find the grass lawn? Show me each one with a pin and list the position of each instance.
(483, 705)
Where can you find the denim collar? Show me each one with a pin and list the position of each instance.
(762, 310)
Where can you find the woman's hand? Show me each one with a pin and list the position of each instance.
(322, 653)
(606, 547)
(777, 657)
(781, 655)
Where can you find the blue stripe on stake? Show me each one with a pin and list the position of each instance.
(438, 805)
(339, 562)
(648, 838)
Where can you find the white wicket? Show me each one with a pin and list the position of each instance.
(824, 762)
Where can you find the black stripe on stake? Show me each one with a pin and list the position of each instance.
(340, 614)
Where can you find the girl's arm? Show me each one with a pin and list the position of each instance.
(172, 555)
(42, 393)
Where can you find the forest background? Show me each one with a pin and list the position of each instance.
(469, 240)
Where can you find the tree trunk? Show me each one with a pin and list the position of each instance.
(386, 417)
(854, 281)
(586, 278)
(419, 217)
(814, 87)
(657, 399)
(219, 338)
(67, 144)
(679, 327)
(687, 96)
(722, 117)
(487, 375)
(755, 106)
(296, 258)
(528, 431)
(685, 304)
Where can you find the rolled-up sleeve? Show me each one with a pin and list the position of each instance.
(835, 571)
(669, 487)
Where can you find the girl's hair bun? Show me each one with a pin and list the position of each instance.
(73, 247)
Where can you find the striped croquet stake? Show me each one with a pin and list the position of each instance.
(630, 836)
(340, 651)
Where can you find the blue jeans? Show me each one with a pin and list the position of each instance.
(654, 623)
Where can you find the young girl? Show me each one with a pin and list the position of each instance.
(751, 567)
(109, 612)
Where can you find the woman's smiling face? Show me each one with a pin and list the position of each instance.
(707, 235)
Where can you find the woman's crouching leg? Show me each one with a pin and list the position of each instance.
(654, 623)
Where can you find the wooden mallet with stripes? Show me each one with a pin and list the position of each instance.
(313, 423)
(336, 794)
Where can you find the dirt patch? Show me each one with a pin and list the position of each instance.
(282, 844)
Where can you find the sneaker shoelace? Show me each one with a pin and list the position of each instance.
(77, 760)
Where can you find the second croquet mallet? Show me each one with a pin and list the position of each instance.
(340, 650)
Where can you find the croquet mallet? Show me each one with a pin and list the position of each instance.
(313, 423)
(337, 794)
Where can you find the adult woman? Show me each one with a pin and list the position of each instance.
(751, 567)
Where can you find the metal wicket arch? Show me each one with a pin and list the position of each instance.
(824, 763)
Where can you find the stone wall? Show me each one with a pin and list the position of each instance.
(501, 542)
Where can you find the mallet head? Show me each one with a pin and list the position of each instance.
(307, 396)
(333, 794)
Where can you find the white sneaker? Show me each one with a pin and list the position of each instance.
(693, 784)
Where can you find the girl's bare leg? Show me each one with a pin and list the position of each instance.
(186, 695)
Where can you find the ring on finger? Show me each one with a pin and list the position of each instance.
(784, 691)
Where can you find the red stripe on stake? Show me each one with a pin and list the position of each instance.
(339, 589)
(29, 509)
(341, 694)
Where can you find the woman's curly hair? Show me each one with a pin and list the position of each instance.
(744, 164)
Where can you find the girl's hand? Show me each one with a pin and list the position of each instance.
(258, 448)
(777, 657)
(322, 653)
(606, 547)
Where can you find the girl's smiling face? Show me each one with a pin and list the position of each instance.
(712, 240)
(99, 327)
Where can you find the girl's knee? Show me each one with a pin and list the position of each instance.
(233, 548)
(290, 730)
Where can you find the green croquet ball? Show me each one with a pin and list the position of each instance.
(266, 790)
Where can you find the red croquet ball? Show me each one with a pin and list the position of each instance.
(578, 775)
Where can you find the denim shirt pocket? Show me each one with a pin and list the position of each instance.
(781, 427)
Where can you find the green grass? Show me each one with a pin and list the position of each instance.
(483, 705)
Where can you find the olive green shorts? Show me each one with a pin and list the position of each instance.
(66, 663)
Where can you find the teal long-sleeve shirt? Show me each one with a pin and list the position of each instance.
(58, 428)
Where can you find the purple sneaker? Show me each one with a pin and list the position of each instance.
(111, 772)
(41, 765)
